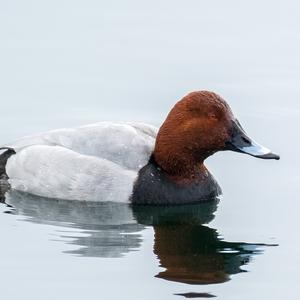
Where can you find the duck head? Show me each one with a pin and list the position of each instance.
(198, 126)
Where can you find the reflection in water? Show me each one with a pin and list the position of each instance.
(194, 254)
(196, 295)
(104, 229)
(189, 251)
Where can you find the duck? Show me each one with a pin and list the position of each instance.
(131, 162)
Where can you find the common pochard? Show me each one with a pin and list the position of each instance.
(131, 161)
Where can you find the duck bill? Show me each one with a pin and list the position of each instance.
(241, 142)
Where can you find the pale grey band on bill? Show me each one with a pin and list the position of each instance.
(257, 150)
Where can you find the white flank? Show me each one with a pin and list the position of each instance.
(97, 162)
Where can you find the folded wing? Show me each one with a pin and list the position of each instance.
(126, 144)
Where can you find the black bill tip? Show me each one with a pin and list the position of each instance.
(269, 156)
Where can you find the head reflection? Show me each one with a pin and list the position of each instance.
(189, 251)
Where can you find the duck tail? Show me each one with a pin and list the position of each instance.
(3, 160)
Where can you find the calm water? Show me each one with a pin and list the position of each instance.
(67, 63)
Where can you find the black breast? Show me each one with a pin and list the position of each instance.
(154, 187)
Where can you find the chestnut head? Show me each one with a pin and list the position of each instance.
(199, 125)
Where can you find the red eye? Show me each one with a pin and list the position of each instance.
(212, 116)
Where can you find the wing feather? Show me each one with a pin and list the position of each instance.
(126, 144)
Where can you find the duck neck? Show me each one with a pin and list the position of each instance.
(181, 165)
